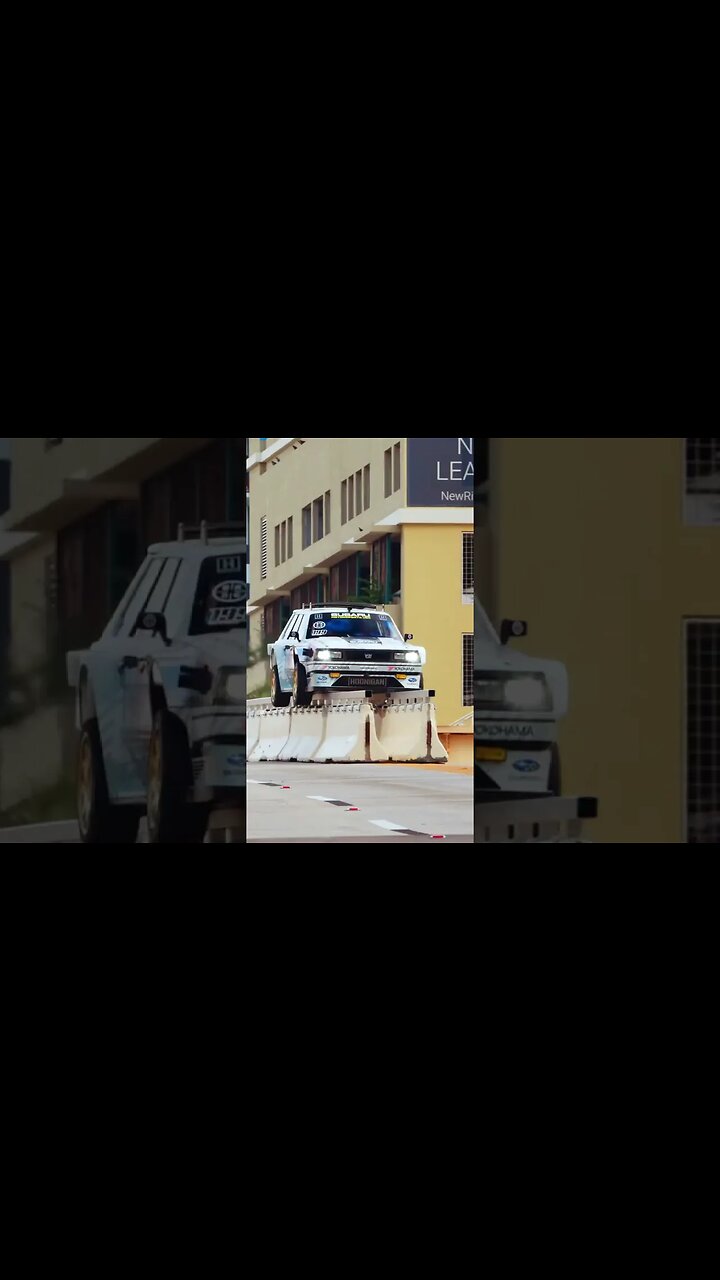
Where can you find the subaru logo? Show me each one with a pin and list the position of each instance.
(526, 766)
(368, 655)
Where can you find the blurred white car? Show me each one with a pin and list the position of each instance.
(518, 703)
(160, 696)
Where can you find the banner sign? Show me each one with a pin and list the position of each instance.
(440, 471)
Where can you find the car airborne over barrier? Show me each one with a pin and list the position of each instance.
(160, 697)
(344, 648)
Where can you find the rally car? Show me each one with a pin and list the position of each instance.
(160, 697)
(518, 702)
(344, 647)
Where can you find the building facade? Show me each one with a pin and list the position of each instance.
(610, 548)
(369, 519)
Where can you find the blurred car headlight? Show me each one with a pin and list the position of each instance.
(512, 693)
(328, 655)
(408, 655)
(231, 687)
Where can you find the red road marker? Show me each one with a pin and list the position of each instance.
(437, 837)
(353, 810)
(286, 788)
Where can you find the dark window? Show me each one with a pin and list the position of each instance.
(318, 520)
(351, 498)
(366, 626)
(703, 731)
(306, 527)
(327, 512)
(395, 567)
(366, 489)
(220, 598)
(396, 468)
(343, 502)
(290, 538)
(283, 541)
(388, 472)
(468, 564)
(277, 545)
(468, 663)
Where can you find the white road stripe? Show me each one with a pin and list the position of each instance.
(389, 826)
(326, 799)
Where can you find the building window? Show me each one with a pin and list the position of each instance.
(388, 472)
(351, 492)
(277, 545)
(396, 468)
(263, 547)
(702, 763)
(702, 480)
(327, 512)
(358, 493)
(468, 564)
(290, 538)
(306, 527)
(343, 503)
(366, 488)
(283, 541)
(318, 520)
(468, 664)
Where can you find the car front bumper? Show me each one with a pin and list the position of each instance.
(348, 676)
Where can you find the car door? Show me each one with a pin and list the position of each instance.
(141, 649)
(287, 651)
(113, 664)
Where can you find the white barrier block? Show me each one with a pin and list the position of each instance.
(348, 731)
(253, 733)
(307, 730)
(274, 733)
(408, 732)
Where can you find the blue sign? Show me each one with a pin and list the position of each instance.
(441, 471)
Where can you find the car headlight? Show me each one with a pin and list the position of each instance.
(231, 687)
(328, 655)
(408, 655)
(512, 693)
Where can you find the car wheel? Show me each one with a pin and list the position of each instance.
(300, 695)
(555, 778)
(277, 697)
(99, 821)
(171, 818)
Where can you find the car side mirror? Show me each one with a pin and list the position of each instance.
(408, 636)
(154, 623)
(511, 628)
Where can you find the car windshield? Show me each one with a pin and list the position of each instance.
(221, 595)
(353, 626)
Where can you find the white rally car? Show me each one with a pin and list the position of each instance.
(160, 697)
(518, 702)
(341, 647)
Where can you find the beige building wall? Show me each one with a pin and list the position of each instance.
(588, 544)
(282, 487)
(28, 648)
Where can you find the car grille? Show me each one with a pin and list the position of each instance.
(352, 655)
(368, 682)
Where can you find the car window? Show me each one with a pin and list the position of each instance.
(357, 625)
(160, 594)
(221, 594)
(178, 605)
(289, 627)
(130, 607)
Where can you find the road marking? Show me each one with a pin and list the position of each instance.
(403, 831)
(342, 804)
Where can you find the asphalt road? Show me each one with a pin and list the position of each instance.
(358, 804)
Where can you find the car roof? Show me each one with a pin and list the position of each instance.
(348, 608)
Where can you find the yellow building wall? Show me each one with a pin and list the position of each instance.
(589, 546)
(433, 611)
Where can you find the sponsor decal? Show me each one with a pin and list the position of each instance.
(230, 591)
(351, 616)
(230, 564)
(526, 766)
(506, 731)
(221, 617)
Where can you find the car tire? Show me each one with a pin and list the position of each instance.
(171, 818)
(300, 695)
(555, 777)
(277, 697)
(99, 821)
